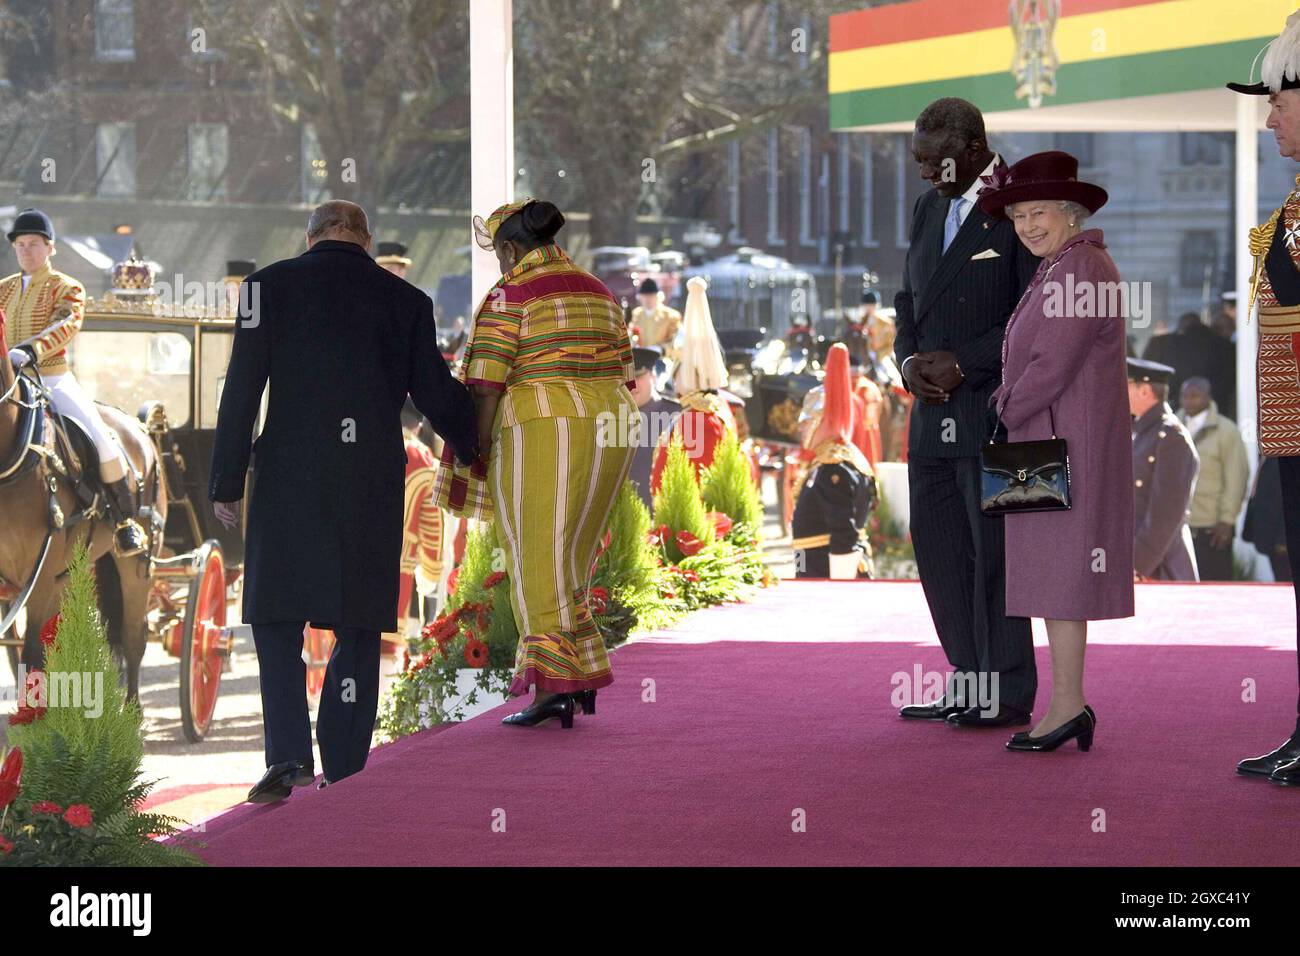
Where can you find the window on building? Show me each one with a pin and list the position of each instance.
(115, 159)
(1202, 149)
(806, 196)
(869, 240)
(1079, 145)
(209, 155)
(114, 29)
(1199, 258)
(733, 193)
(774, 237)
(315, 169)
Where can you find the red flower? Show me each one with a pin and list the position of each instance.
(5, 846)
(451, 580)
(26, 715)
(668, 595)
(604, 543)
(691, 575)
(46, 806)
(721, 523)
(79, 816)
(598, 600)
(659, 535)
(50, 631)
(11, 775)
(476, 652)
(493, 579)
(688, 544)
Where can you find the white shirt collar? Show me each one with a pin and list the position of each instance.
(973, 193)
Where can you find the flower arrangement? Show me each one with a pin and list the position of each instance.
(643, 578)
(71, 786)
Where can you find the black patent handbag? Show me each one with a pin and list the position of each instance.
(1017, 477)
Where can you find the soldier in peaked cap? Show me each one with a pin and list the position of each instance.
(1164, 475)
(1275, 292)
(657, 322)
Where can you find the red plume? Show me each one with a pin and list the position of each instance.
(837, 404)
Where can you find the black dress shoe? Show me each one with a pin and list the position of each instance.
(939, 710)
(280, 779)
(557, 705)
(1288, 775)
(1004, 716)
(586, 699)
(1265, 765)
(1078, 728)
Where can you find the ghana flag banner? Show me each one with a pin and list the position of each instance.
(887, 63)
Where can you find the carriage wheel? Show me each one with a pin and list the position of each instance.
(317, 645)
(202, 643)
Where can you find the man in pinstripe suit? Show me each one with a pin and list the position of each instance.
(964, 274)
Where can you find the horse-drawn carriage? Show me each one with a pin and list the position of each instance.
(168, 361)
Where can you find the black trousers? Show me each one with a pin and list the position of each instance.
(1212, 564)
(960, 558)
(1290, 471)
(348, 703)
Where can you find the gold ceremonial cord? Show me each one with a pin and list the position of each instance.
(1261, 237)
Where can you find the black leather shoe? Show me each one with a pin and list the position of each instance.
(1004, 716)
(1079, 728)
(280, 779)
(586, 699)
(1288, 775)
(557, 705)
(1265, 765)
(939, 710)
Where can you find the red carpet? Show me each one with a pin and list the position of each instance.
(781, 708)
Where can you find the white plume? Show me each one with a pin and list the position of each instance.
(702, 364)
(1282, 56)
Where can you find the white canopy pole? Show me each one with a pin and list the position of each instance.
(491, 125)
(1247, 219)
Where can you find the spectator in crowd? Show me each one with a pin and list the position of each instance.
(1221, 482)
(1197, 350)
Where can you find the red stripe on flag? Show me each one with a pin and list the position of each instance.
(927, 19)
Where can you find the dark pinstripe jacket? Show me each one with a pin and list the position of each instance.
(954, 301)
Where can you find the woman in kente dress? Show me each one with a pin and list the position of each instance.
(549, 362)
(701, 374)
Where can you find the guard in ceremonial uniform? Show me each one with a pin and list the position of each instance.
(658, 415)
(1164, 476)
(657, 324)
(830, 517)
(45, 310)
(1275, 292)
(392, 256)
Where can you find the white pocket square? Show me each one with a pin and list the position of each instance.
(986, 254)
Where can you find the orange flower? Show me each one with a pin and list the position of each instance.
(476, 652)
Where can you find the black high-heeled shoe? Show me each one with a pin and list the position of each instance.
(1079, 728)
(586, 699)
(557, 705)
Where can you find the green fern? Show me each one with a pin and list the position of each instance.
(678, 504)
(727, 485)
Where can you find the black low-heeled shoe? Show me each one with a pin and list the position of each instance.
(557, 705)
(1079, 728)
(586, 699)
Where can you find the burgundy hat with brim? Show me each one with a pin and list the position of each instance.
(1051, 175)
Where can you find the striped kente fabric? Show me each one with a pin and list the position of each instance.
(552, 337)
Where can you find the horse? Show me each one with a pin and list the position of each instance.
(43, 519)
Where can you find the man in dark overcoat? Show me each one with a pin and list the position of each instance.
(965, 273)
(341, 342)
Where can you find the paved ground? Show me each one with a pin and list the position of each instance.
(196, 781)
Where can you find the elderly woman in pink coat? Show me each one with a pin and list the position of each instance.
(1064, 361)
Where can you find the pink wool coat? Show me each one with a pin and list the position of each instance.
(1064, 348)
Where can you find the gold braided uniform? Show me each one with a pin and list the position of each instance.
(44, 316)
(658, 326)
(1278, 363)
